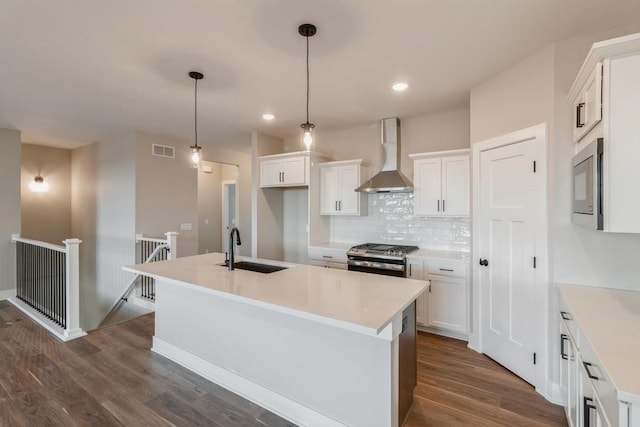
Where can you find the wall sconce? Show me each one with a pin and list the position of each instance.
(38, 185)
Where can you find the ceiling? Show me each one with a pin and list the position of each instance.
(77, 71)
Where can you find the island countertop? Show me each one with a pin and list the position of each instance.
(361, 302)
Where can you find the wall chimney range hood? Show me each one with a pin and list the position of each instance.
(389, 179)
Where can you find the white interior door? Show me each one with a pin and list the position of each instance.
(509, 198)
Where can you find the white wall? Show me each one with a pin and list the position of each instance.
(103, 216)
(516, 98)
(166, 192)
(9, 207)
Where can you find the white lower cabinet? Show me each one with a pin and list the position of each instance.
(328, 257)
(588, 395)
(442, 308)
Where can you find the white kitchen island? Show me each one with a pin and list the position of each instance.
(320, 347)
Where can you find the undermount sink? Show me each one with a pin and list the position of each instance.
(257, 267)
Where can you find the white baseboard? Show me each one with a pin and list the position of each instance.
(58, 332)
(455, 335)
(144, 303)
(9, 293)
(553, 393)
(256, 393)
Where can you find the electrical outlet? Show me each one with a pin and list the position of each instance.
(186, 226)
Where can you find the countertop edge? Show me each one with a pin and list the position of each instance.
(622, 394)
(278, 308)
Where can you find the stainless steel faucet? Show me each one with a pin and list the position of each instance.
(231, 255)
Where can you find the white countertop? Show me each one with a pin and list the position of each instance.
(440, 254)
(361, 302)
(610, 320)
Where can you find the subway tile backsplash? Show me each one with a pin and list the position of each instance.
(391, 219)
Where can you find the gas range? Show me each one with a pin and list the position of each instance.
(381, 251)
(379, 258)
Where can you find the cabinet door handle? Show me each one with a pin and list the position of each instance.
(579, 109)
(340, 205)
(282, 176)
(410, 270)
(563, 339)
(587, 405)
(443, 209)
(429, 286)
(336, 206)
(438, 205)
(565, 315)
(446, 269)
(589, 374)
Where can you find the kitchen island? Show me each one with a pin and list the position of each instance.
(314, 345)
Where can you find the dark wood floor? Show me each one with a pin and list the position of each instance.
(110, 378)
(459, 387)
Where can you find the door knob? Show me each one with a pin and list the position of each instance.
(484, 262)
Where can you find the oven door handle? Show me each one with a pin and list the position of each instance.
(378, 265)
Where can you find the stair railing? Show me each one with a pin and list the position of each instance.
(48, 285)
(152, 249)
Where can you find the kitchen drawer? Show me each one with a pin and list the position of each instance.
(446, 269)
(567, 318)
(328, 254)
(600, 381)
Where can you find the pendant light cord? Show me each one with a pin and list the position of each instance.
(196, 114)
(307, 37)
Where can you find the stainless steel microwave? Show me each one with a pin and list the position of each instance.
(587, 204)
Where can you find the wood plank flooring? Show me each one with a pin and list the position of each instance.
(110, 378)
(459, 387)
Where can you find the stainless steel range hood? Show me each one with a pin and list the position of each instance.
(389, 179)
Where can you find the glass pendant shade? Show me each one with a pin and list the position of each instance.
(38, 185)
(195, 156)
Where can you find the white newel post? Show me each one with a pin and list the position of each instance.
(172, 241)
(73, 289)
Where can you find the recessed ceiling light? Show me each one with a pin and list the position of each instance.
(399, 87)
(268, 116)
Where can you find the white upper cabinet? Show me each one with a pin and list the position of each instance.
(617, 61)
(587, 104)
(284, 170)
(441, 183)
(338, 182)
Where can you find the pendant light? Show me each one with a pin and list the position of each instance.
(38, 185)
(196, 150)
(307, 30)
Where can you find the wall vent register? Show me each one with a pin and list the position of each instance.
(163, 151)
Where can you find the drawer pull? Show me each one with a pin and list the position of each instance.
(589, 374)
(587, 405)
(447, 269)
(563, 339)
(565, 315)
(327, 256)
(579, 109)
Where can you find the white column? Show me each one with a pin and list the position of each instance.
(172, 241)
(73, 329)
